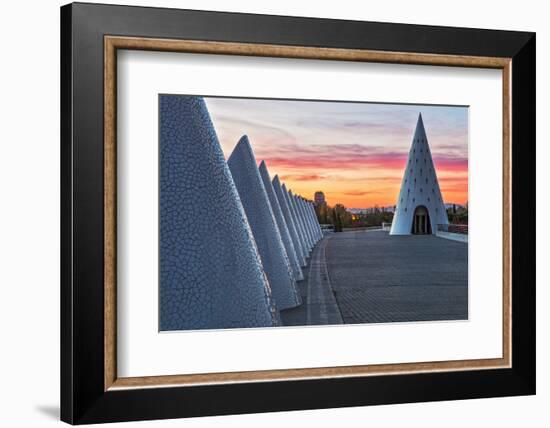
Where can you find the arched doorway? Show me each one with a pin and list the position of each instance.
(421, 224)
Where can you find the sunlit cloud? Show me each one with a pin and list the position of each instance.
(354, 152)
(298, 177)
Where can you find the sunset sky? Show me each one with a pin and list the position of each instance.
(354, 152)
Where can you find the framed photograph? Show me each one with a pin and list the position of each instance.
(265, 213)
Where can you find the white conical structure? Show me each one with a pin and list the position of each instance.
(306, 218)
(283, 228)
(302, 220)
(250, 186)
(316, 221)
(420, 207)
(307, 230)
(299, 226)
(210, 271)
(311, 219)
(289, 218)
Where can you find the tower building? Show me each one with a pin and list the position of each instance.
(319, 198)
(420, 207)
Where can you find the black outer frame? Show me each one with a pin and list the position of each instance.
(83, 399)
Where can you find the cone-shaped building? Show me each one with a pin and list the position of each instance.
(302, 219)
(246, 176)
(303, 216)
(289, 218)
(420, 207)
(211, 275)
(297, 221)
(311, 220)
(316, 224)
(279, 217)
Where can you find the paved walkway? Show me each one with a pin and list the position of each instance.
(381, 278)
(369, 276)
(320, 306)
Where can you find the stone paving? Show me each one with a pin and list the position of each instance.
(381, 278)
(375, 277)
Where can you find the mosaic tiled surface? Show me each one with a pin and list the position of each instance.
(290, 222)
(297, 223)
(306, 220)
(246, 177)
(210, 270)
(283, 229)
(315, 221)
(309, 244)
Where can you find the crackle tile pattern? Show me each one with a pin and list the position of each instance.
(307, 230)
(289, 218)
(307, 225)
(300, 202)
(283, 229)
(253, 195)
(314, 221)
(311, 220)
(301, 219)
(210, 271)
(297, 223)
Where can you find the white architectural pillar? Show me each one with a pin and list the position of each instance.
(283, 228)
(246, 176)
(307, 224)
(289, 218)
(203, 226)
(300, 227)
(420, 195)
(307, 235)
(316, 221)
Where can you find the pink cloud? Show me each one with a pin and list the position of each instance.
(450, 163)
(302, 177)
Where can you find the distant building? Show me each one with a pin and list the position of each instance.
(420, 206)
(319, 198)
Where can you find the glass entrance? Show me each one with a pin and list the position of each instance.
(421, 221)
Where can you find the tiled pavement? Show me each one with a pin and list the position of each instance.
(319, 305)
(381, 278)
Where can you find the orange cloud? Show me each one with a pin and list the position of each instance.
(298, 177)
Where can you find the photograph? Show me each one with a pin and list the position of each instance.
(295, 213)
(265, 211)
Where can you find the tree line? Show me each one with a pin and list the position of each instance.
(340, 218)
